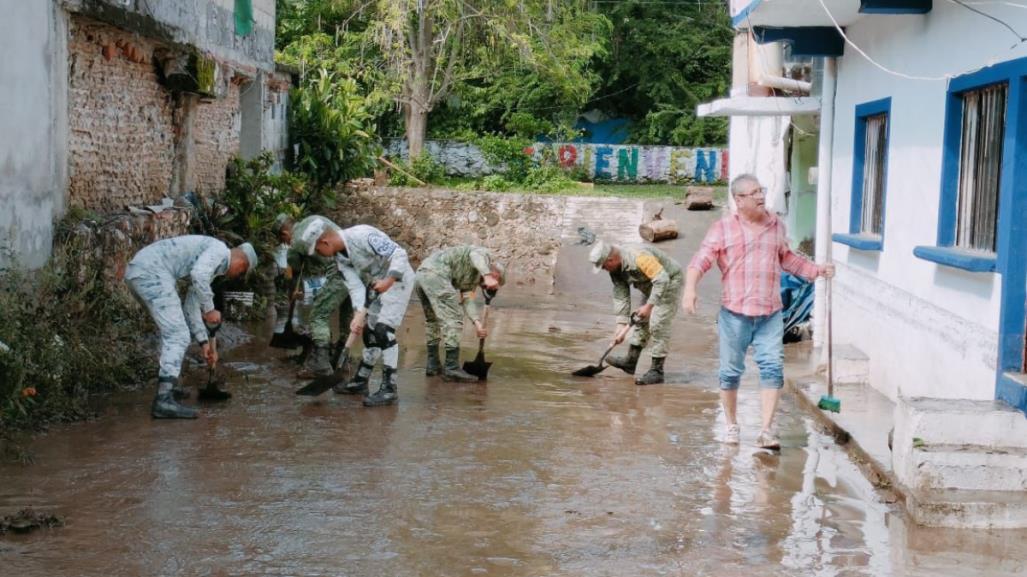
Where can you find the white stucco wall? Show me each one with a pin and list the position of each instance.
(929, 330)
(33, 125)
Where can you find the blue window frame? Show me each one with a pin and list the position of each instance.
(869, 176)
(1010, 246)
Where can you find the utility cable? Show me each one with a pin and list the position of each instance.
(1021, 39)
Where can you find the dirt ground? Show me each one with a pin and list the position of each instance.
(536, 473)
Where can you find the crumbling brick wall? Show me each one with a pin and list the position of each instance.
(216, 130)
(121, 134)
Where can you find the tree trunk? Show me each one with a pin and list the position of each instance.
(416, 126)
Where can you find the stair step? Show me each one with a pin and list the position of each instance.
(971, 467)
(969, 509)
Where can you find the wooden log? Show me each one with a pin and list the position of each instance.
(658, 228)
(699, 198)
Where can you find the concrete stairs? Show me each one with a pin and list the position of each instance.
(964, 462)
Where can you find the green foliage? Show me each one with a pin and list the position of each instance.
(507, 155)
(253, 197)
(423, 168)
(67, 336)
(665, 59)
(332, 130)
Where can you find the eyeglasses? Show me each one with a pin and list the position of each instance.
(761, 191)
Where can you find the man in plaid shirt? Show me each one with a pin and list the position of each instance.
(750, 248)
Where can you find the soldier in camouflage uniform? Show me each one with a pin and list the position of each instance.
(333, 295)
(659, 278)
(445, 280)
(152, 275)
(368, 261)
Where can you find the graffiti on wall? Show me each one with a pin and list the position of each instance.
(630, 163)
(602, 162)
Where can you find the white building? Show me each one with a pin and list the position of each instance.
(923, 135)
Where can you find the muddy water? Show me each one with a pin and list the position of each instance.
(536, 474)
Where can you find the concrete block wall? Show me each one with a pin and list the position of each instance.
(121, 137)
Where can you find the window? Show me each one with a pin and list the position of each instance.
(869, 176)
(875, 149)
(980, 165)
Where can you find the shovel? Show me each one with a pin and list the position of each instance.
(478, 367)
(341, 362)
(593, 370)
(289, 338)
(212, 392)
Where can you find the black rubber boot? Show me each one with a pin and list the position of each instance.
(180, 392)
(318, 364)
(654, 375)
(626, 363)
(166, 407)
(452, 372)
(358, 384)
(434, 365)
(386, 393)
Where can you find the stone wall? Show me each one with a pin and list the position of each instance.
(522, 231)
(121, 139)
(216, 129)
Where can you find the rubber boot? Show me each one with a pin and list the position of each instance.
(166, 407)
(626, 363)
(386, 393)
(180, 392)
(654, 375)
(434, 366)
(318, 363)
(452, 372)
(358, 384)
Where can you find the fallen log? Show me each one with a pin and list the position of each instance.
(658, 228)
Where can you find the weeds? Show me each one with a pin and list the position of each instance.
(67, 335)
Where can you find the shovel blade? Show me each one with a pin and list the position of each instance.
(589, 371)
(288, 339)
(320, 385)
(478, 367)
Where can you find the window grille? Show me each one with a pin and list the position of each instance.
(875, 153)
(980, 166)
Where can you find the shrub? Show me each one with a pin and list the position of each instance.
(331, 128)
(67, 336)
(424, 167)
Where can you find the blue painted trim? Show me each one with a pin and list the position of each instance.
(738, 19)
(864, 110)
(1012, 244)
(859, 241)
(1011, 241)
(972, 261)
(1011, 392)
(895, 6)
(804, 40)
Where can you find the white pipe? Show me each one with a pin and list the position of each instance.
(824, 155)
(789, 84)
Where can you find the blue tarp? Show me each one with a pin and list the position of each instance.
(797, 298)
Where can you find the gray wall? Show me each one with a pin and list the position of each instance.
(33, 128)
(207, 24)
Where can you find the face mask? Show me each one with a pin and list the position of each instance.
(489, 294)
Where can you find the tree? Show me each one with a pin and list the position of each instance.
(421, 52)
(665, 59)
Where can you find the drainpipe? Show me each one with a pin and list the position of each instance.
(823, 236)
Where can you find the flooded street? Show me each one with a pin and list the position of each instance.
(537, 473)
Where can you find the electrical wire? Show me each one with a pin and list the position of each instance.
(946, 76)
(1021, 39)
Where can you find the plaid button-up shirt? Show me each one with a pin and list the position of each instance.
(750, 262)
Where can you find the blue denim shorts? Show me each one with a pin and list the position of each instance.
(764, 334)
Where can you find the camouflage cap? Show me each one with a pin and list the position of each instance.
(281, 221)
(306, 233)
(251, 256)
(598, 255)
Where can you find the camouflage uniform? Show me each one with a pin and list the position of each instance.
(659, 278)
(446, 280)
(152, 276)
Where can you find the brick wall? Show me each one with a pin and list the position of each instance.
(121, 136)
(216, 132)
